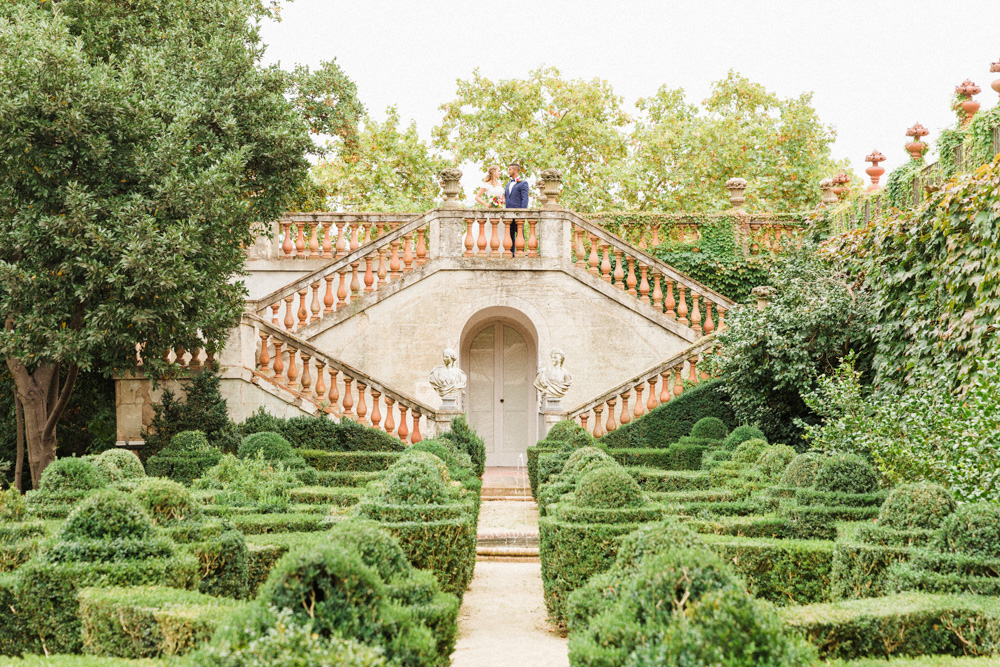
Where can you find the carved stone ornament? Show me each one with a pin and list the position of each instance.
(763, 294)
(994, 68)
(874, 171)
(450, 186)
(826, 186)
(448, 380)
(736, 187)
(550, 185)
(969, 106)
(553, 382)
(551, 175)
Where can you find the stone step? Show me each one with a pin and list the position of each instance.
(516, 554)
(522, 499)
(506, 491)
(507, 539)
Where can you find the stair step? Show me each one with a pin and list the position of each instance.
(520, 499)
(505, 553)
(507, 539)
(506, 491)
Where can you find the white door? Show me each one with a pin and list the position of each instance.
(502, 403)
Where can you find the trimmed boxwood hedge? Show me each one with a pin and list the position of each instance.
(670, 480)
(861, 570)
(349, 461)
(661, 458)
(322, 433)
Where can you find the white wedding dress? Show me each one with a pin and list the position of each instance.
(491, 192)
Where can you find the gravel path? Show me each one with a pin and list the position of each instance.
(504, 515)
(502, 620)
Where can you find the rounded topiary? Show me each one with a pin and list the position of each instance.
(272, 446)
(569, 432)
(608, 487)
(72, 474)
(709, 428)
(377, 548)
(652, 538)
(750, 450)
(846, 473)
(583, 457)
(444, 450)
(188, 441)
(107, 515)
(774, 459)
(801, 471)
(922, 505)
(128, 464)
(12, 505)
(741, 434)
(973, 530)
(166, 501)
(417, 478)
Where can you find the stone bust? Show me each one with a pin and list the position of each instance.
(448, 380)
(553, 382)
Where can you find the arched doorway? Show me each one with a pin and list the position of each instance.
(499, 354)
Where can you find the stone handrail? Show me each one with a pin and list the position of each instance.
(488, 233)
(381, 262)
(296, 366)
(322, 234)
(682, 364)
(590, 241)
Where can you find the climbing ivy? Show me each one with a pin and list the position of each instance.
(899, 186)
(949, 140)
(979, 137)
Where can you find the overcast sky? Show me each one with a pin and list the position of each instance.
(875, 67)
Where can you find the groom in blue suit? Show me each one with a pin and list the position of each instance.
(515, 196)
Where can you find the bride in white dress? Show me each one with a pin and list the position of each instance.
(491, 194)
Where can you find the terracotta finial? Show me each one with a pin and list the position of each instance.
(916, 147)
(995, 67)
(969, 106)
(967, 88)
(840, 182)
(874, 171)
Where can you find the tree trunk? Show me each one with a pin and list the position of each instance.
(19, 465)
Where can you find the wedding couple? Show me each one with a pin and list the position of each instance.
(513, 195)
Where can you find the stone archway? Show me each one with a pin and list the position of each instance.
(499, 353)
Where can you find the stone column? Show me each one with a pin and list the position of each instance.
(549, 420)
(450, 187)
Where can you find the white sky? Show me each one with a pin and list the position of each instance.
(875, 67)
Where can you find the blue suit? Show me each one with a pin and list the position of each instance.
(516, 194)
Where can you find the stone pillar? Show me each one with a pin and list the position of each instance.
(440, 421)
(736, 187)
(551, 186)
(451, 187)
(549, 420)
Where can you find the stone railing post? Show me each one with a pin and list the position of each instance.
(763, 294)
(451, 187)
(826, 186)
(736, 187)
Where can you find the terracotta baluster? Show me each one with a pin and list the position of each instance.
(657, 293)
(407, 253)
(469, 241)
(494, 237)
(640, 407)
(314, 240)
(303, 311)
(300, 240)
(605, 263)
(651, 402)
(709, 324)
(327, 242)
(481, 242)
(702, 375)
(584, 418)
(362, 409)
(722, 316)
(619, 274)
(382, 268)
(289, 317)
(379, 229)
(678, 383)
(581, 254)
(389, 423)
(355, 280)
(611, 425)
(421, 247)
(415, 436)
(626, 415)
(293, 371)
(693, 371)
(532, 239)
(286, 245)
(598, 425)
(394, 261)
(355, 238)
(508, 244)
(682, 306)
(210, 360)
(376, 412)
(642, 240)
(334, 393)
(314, 306)
(404, 430)
(670, 303)
(306, 379)
(341, 243)
(367, 226)
(342, 289)
(656, 235)
(630, 281)
(664, 387)
(328, 298)
(348, 397)
(594, 260)
(263, 361)
(320, 384)
(695, 313)
(369, 275)
(279, 364)
(519, 234)
(275, 307)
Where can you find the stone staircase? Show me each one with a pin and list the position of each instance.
(508, 524)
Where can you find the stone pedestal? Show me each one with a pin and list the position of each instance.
(442, 420)
(549, 419)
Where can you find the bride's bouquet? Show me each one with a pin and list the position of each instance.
(496, 202)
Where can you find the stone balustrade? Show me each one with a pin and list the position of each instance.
(645, 277)
(323, 235)
(190, 359)
(754, 233)
(332, 386)
(488, 233)
(659, 384)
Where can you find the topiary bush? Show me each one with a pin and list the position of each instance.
(846, 473)
(185, 459)
(12, 505)
(710, 428)
(467, 440)
(254, 482)
(72, 474)
(973, 529)
(107, 515)
(774, 460)
(420, 478)
(609, 487)
(584, 457)
(459, 463)
(801, 471)
(271, 445)
(916, 506)
(569, 432)
(166, 501)
(741, 434)
(120, 465)
(749, 451)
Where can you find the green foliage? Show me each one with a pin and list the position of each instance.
(741, 434)
(899, 184)
(166, 501)
(920, 505)
(327, 100)
(185, 459)
(710, 428)
(608, 488)
(12, 505)
(322, 433)
(72, 474)
(650, 458)
(801, 470)
(467, 440)
(349, 461)
(973, 529)
(749, 451)
(203, 410)
(120, 464)
(948, 141)
(271, 445)
(979, 137)
(108, 515)
(774, 460)
(417, 478)
(459, 464)
(669, 422)
(846, 473)
(254, 482)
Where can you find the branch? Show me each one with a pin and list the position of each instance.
(60, 406)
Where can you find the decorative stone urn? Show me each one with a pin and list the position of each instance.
(840, 182)
(995, 67)
(916, 147)
(450, 187)
(874, 172)
(737, 186)
(550, 185)
(763, 294)
(826, 186)
(969, 106)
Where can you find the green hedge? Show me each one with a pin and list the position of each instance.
(783, 571)
(536, 451)
(860, 570)
(653, 480)
(671, 421)
(662, 459)
(148, 621)
(79, 661)
(700, 496)
(349, 461)
(755, 506)
(907, 624)
(260, 559)
(834, 498)
(337, 479)
(746, 526)
(222, 552)
(259, 524)
(325, 495)
(16, 632)
(322, 433)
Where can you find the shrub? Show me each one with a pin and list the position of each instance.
(710, 428)
(741, 434)
(252, 482)
(12, 506)
(467, 440)
(651, 457)
(608, 488)
(107, 515)
(417, 478)
(774, 460)
(801, 470)
(846, 473)
(973, 530)
(72, 474)
(570, 432)
(120, 465)
(166, 501)
(187, 457)
(714, 457)
(581, 459)
(459, 463)
(349, 461)
(750, 450)
(203, 409)
(271, 445)
(921, 505)
(377, 548)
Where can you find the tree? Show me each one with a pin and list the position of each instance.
(140, 142)
(682, 155)
(543, 122)
(386, 169)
